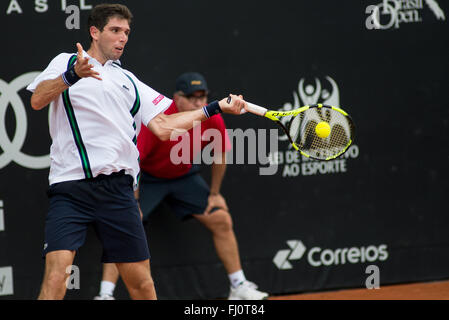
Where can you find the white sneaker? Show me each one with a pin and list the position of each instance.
(252, 284)
(104, 297)
(247, 291)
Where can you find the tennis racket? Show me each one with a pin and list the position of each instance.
(318, 131)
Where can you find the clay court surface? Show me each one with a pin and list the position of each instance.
(438, 290)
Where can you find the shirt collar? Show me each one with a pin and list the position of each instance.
(109, 62)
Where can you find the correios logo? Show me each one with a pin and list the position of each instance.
(317, 256)
(283, 257)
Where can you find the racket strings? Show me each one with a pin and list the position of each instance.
(302, 131)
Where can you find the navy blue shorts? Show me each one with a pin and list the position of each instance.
(186, 195)
(106, 202)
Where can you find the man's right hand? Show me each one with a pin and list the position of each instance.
(236, 105)
(82, 67)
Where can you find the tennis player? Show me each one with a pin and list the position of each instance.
(181, 186)
(96, 113)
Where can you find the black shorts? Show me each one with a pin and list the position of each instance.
(186, 195)
(108, 203)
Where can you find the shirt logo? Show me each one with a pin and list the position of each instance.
(125, 87)
(158, 99)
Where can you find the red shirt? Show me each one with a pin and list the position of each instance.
(157, 157)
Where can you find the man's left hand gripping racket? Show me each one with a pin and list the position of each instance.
(318, 131)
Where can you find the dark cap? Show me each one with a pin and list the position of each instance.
(190, 82)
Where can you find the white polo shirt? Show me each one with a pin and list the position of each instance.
(94, 124)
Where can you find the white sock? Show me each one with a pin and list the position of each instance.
(107, 287)
(236, 278)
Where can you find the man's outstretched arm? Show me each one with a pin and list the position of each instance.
(163, 126)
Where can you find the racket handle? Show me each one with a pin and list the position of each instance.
(253, 108)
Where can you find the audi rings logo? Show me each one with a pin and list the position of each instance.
(12, 149)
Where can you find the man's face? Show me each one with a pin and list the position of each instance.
(113, 38)
(196, 100)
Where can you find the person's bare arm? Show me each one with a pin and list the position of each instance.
(46, 92)
(163, 126)
(49, 90)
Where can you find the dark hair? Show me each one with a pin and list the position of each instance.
(100, 15)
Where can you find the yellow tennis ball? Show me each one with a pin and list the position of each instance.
(323, 129)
